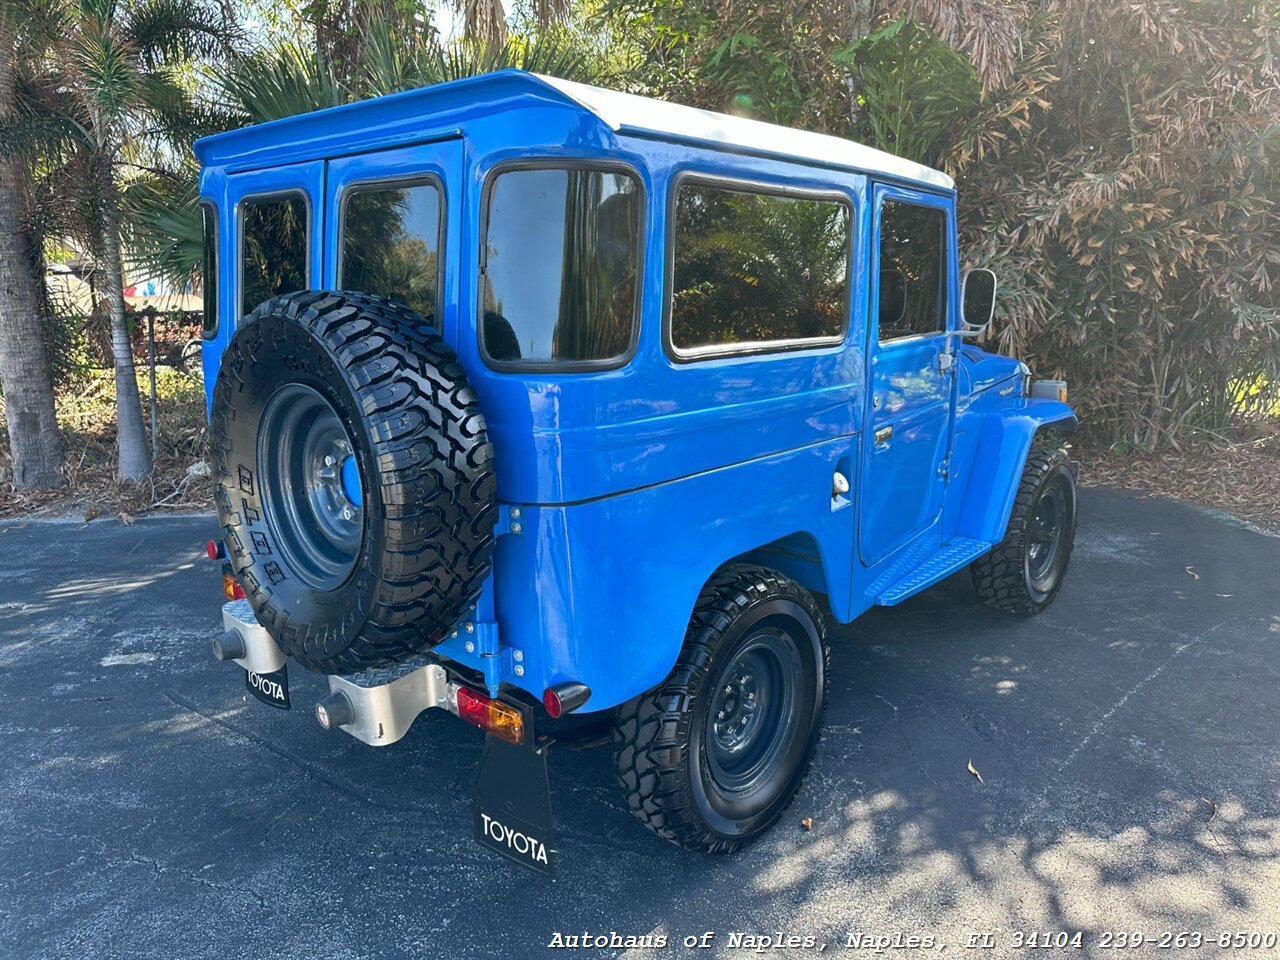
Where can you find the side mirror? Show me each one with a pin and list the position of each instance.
(893, 297)
(977, 301)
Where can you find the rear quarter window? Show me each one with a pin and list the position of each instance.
(756, 269)
(209, 266)
(560, 267)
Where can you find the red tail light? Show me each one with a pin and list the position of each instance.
(564, 698)
(473, 707)
(551, 701)
(490, 715)
(215, 550)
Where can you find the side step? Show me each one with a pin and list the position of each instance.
(946, 561)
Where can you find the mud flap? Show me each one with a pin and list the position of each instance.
(271, 688)
(513, 803)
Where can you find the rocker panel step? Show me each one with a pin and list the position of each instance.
(946, 561)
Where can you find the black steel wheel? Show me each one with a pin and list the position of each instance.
(1024, 572)
(355, 481)
(711, 758)
(311, 492)
(753, 702)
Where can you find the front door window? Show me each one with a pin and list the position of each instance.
(913, 292)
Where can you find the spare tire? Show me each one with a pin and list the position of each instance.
(355, 482)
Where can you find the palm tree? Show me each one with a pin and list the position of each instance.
(290, 78)
(394, 62)
(25, 375)
(104, 92)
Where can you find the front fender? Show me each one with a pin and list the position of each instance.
(1003, 445)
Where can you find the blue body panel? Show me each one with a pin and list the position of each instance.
(635, 484)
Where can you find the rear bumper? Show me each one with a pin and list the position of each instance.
(377, 706)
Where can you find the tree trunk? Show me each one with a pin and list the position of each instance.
(25, 376)
(131, 436)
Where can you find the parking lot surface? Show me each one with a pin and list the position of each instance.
(1128, 742)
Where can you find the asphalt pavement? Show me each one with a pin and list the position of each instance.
(1128, 742)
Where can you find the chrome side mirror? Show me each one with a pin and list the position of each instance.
(977, 301)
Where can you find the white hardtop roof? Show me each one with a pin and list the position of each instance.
(636, 114)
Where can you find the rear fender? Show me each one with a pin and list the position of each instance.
(1003, 445)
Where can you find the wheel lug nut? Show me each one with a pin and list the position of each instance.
(346, 513)
(328, 461)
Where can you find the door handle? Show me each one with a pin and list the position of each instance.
(883, 436)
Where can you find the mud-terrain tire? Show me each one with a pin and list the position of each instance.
(684, 774)
(1024, 572)
(355, 480)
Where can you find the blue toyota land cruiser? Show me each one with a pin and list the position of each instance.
(529, 398)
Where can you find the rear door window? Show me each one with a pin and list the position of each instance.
(391, 240)
(209, 266)
(275, 241)
(560, 265)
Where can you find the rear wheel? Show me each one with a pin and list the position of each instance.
(1024, 572)
(711, 758)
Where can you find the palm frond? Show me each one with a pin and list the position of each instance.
(392, 64)
(165, 31)
(485, 21)
(165, 232)
(279, 82)
(103, 77)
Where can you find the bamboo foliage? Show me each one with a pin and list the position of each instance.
(1113, 161)
(1142, 215)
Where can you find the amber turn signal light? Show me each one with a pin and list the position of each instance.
(231, 588)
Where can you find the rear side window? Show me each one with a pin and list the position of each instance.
(560, 263)
(391, 244)
(274, 248)
(913, 275)
(757, 270)
(209, 266)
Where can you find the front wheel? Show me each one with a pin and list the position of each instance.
(1024, 572)
(711, 757)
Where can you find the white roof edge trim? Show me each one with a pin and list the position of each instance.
(627, 111)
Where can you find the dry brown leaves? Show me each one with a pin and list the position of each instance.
(86, 414)
(1242, 476)
(94, 491)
